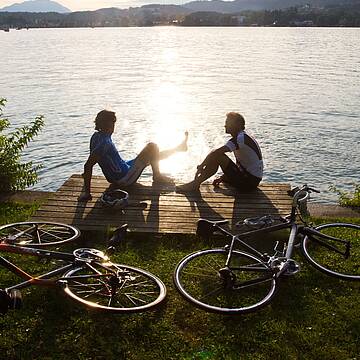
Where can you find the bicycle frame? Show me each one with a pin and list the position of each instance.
(42, 280)
(239, 238)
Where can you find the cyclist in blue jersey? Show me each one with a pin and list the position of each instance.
(245, 174)
(119, 172)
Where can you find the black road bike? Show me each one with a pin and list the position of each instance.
(231, 281)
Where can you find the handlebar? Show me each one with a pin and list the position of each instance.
(300, 195)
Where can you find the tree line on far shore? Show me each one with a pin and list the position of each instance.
(345, 16)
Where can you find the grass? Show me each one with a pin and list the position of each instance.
(15, 212)
(312, 317)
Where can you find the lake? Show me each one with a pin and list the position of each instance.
(298, 89)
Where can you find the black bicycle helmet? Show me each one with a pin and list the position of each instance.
(116, 199)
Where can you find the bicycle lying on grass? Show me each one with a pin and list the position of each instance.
(86, 275)
(231, 281)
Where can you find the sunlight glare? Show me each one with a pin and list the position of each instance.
(168, 104)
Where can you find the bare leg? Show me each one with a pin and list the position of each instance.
(181, 147)
(208, 168)
(151, 155)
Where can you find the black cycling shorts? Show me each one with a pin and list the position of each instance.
(242, 180)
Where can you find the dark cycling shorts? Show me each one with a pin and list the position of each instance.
(234, 176)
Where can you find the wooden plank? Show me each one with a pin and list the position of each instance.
(169, 216)
(140, 188)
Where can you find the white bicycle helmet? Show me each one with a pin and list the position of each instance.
(116, 199)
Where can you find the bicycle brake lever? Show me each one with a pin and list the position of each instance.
(314, 190)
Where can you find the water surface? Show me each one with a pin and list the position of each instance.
(298, 89)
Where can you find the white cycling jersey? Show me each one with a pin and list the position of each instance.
(247, 153)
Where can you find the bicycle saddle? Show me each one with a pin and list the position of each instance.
(205, 228)
(118, 235)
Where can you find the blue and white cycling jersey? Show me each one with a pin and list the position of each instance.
(111, 163)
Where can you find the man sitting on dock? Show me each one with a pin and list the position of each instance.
(118, 172)
(246, 174)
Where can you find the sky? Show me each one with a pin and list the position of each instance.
(76, 5)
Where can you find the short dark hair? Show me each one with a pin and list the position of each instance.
(237, 117)
(103, 119)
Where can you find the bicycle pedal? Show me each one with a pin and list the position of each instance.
(292, 267)
(4, 302)
(15, 299)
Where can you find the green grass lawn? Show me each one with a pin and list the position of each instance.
(14, 212)
(313, 316)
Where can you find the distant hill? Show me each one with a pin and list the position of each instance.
(37, 6)
(240, 5)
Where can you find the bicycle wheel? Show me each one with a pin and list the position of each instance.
(38, 233)
(202, 279)
(113, 287)
(333, 256)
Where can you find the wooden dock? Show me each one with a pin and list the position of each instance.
(159, 209)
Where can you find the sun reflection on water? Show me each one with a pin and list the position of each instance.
(167, 102)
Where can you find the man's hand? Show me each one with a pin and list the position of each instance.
(84, 197)
(199, 169)
(218, 181)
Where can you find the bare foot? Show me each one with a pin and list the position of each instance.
(189, 187)
(163, 179)
(183, 146)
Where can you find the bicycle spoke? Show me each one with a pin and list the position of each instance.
(52, 233)
(215, 291)
(249, 283)
(189, 273)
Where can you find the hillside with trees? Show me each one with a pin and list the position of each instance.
(347, 15)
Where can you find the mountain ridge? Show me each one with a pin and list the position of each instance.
(37, 6)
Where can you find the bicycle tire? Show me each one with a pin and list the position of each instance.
(198, 280)
(114, 288)
(328, 260)
(38, 233)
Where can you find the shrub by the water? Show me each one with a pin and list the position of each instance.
(16, 175)
(346, 198)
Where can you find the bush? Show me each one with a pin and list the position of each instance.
(13, 174)
(348, 199)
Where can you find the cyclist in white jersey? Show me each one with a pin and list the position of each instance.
(246, 174)
(118, 172)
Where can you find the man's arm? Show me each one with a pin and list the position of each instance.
(220, 151)
(88, 167)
